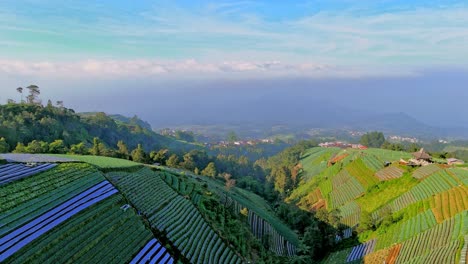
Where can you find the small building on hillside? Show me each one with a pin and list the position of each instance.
(453, 161)
(420, 158)
(422, 155)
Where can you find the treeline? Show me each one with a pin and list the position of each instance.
(25, 122)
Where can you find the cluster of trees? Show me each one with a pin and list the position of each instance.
(373, 139)
(30, 120)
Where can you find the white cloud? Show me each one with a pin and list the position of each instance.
(123, 69)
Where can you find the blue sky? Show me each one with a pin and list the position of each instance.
(71, 48)
(315, 38)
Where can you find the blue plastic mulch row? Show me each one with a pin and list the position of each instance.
(22, 236)
(12, 172)
(153, 253)
(360, 251)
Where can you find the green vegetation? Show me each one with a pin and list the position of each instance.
(24, 200)
(173, 215)
(384, 192)
(373, 139)
(102, 233)
(102, 162)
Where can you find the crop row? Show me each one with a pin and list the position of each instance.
(180, 186)
(278, 244)
(103, 233)
(262, 229)
(388, 155)
(153, 252)
(437, 237)
(449, 203)
(346, 192)
(12, 172)
(461, 174)
(425, 171)
(372, 162)
(20, 205)
(20, 237)
(436, 183)
(311, 199)
(360, 251)
(363, 174)
(175, 216)
(389, 173)
(340, 179)
(416, 225)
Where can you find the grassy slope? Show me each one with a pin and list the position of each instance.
(101, 162)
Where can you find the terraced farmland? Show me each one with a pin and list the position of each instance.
(360, 251)
(175, 216)
(461, 174)
(345, 189)
(102, 233)
(372, 162)
(389, 173)
(31, 197)
(153, 252)
(425, 171)
(364, 175)
(12, 172)
(22, 236)
(449, 203)
(438, 245)
(350, 214)
(436, 183)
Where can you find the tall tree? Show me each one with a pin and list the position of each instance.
(210, 170)
(138, 154)
(122, 149)
(34, 93)
(173, 161)
(95, 150)
(20, 90)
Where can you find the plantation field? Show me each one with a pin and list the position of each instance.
(425, 171)
(25, 200)
(436, 183)
(13, 172)
(102, 233)
(347, 191)
(262, 219)
(350, 214)
(364, 175)
(388, 155)
(315, 161)
(449, 203)
(461, 174)
(385, 192)
(174, 215)
(389, 173)
(437, 243)
(101, 162)
(372, 162)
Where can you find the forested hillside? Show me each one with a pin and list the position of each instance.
(25, 122)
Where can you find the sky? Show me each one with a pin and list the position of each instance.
(74, 48)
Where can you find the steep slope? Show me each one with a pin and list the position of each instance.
(393, 213)
(70, 213)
